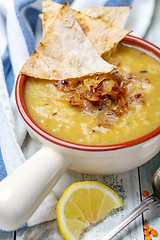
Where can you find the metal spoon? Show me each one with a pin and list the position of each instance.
(148, 203)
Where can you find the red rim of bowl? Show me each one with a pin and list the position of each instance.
(130, 40)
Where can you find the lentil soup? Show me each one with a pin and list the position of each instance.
(47, 104)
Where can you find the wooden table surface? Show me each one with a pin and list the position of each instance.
(129, 186)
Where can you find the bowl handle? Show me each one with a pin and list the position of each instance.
(23, 191)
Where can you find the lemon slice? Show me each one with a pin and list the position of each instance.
(82, 204)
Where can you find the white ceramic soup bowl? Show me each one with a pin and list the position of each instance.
(23, 191)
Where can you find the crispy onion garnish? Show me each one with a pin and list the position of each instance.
(109, 96)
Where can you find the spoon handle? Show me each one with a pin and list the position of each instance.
(146, 204)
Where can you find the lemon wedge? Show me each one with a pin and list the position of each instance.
(83, 204)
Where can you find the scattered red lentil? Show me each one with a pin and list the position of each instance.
(145, 193)
(145, 227)
(146, 233)
(148, 238)
(154, 233)
(150, 230)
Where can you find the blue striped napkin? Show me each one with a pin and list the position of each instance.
(20, 32)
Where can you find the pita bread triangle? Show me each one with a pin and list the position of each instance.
(103, 37)
(65, 52)
(117, 16)
(51, 9)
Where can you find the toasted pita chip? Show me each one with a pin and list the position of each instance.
(51, 9)
(65, 52)
(103, 38)
(116, 15)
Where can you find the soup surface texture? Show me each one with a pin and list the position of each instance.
(46, 107)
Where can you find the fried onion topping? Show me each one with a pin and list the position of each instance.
(110, 96)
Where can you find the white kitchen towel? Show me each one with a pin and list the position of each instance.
(20, 33)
